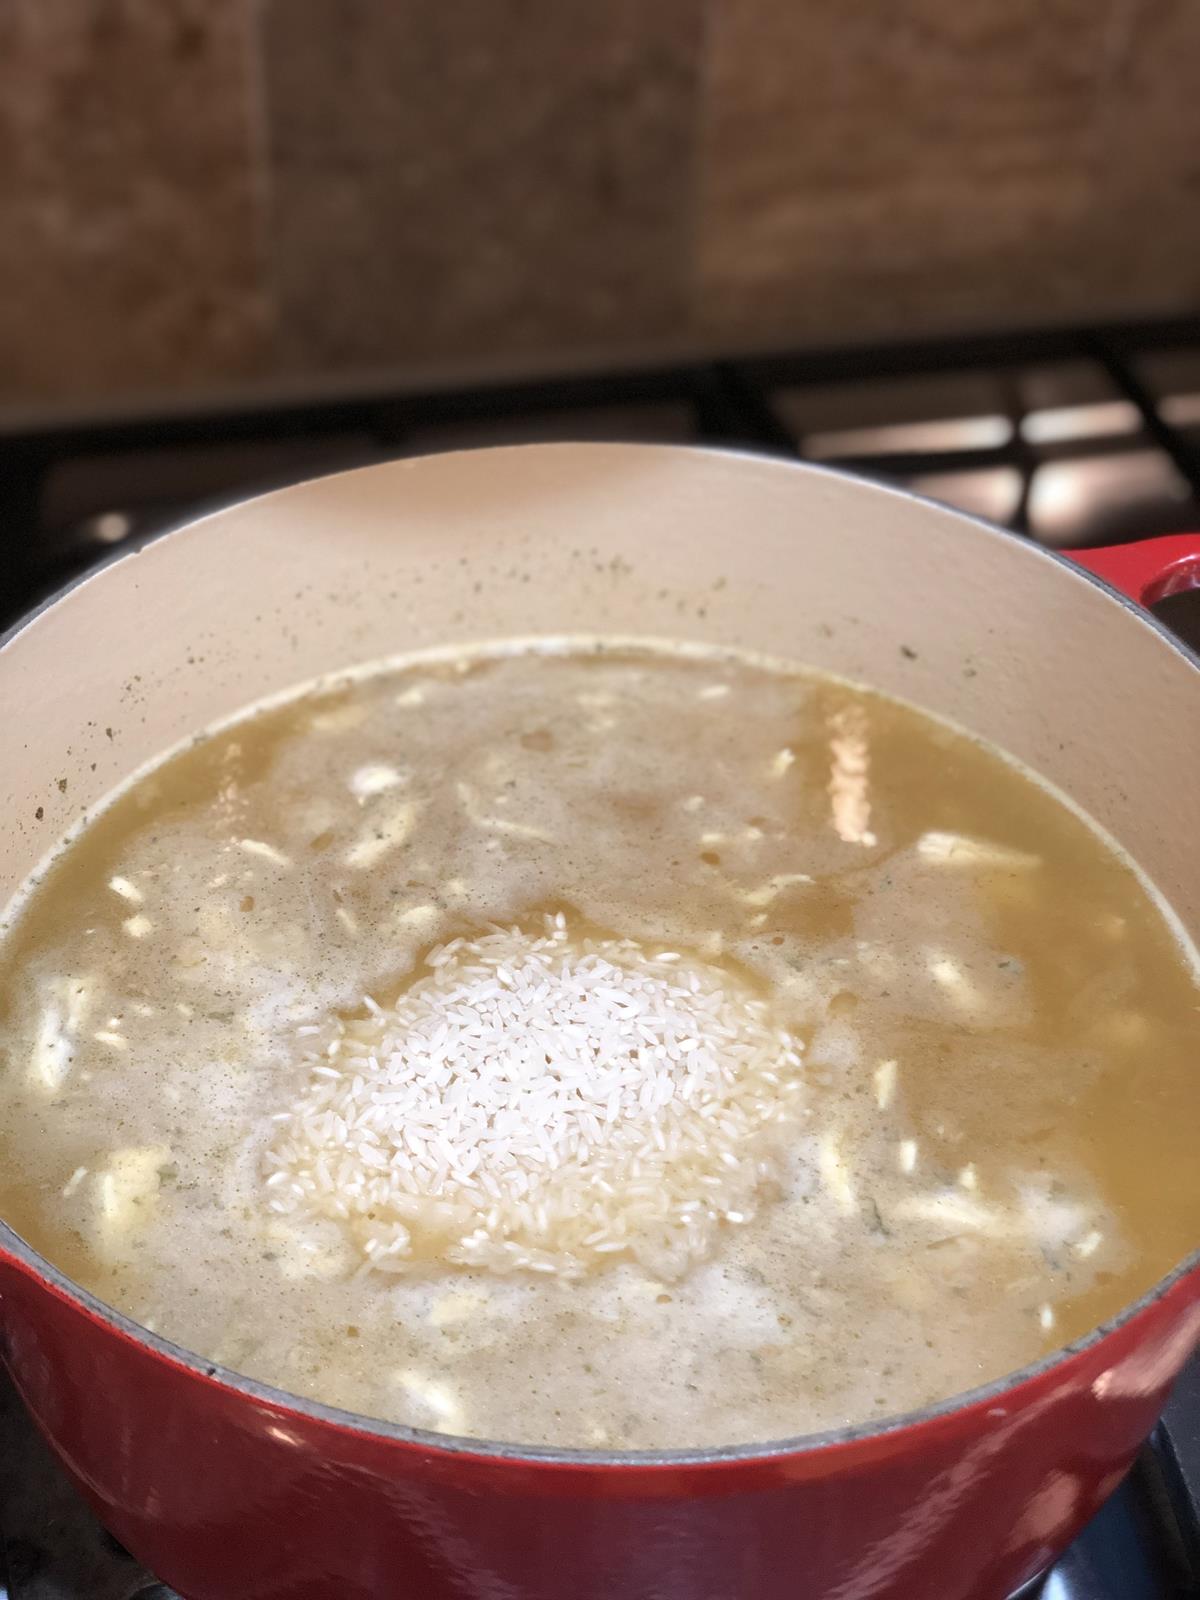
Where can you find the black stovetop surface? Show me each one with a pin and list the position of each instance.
(1071, 437)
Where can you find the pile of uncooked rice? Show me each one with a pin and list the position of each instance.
(546, 1103)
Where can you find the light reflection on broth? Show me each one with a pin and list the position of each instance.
(990, 1146)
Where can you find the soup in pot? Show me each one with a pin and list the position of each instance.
(600, 1043)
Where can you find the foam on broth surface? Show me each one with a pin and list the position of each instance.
(995, 1031)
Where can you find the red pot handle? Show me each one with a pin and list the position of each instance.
(1149, 570)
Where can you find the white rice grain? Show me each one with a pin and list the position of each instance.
(540, 1103)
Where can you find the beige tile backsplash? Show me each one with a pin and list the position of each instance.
(487, 176)
(132, 214)
(207, 194)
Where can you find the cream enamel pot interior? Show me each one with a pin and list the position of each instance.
(231, 1491)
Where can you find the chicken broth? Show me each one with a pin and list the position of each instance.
(600, 1043)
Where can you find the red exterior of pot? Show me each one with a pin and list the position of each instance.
(1148, 571)
(229, 1495)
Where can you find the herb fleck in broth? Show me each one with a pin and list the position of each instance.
(942, 1032)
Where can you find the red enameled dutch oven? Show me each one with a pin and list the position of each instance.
(230, 1490)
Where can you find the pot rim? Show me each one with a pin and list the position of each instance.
(500, 1451)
